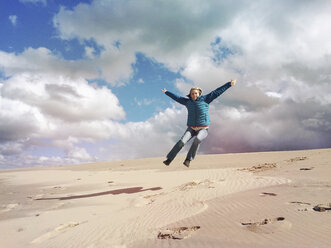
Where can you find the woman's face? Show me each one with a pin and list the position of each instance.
(194, 94)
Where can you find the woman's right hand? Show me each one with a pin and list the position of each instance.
(164, 90)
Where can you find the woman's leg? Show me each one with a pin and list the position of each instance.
(179, 145)
(202, 134)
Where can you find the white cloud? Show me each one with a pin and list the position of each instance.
(89, 51)
(282, 127)
(278, 51)
(43, 61)
(168, 31)
(183, 86)
(206, 74)
(140, 81)
(13, 19)
(144, 101)
(11, 147)
(63, 99)
(115, 65)
(153, 137)
(268, 43)
(273, 94)
(63, 110)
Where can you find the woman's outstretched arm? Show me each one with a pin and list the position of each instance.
(219, 91)
(179, 99)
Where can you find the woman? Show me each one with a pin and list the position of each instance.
(197, 120)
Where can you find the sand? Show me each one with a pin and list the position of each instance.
(270, 199)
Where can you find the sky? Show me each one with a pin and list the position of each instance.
(80, 81)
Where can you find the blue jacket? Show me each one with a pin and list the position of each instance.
(198, 110)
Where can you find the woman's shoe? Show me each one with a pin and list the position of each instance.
(167, 162)
(187, 163)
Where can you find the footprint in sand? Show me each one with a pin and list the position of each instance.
(260, 167)
(296, 159)
(317, 208)
(267, 225)
(301, 204)
(177, 232)
(205, 183)
(306, 169)
(322, 207)
(268, 194)
(60, 229)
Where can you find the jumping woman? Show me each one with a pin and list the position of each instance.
(197, 119)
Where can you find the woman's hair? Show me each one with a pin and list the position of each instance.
(196, 88)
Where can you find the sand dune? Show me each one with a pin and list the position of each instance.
(275, 199)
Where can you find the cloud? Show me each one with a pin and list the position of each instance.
(281, 127)
(238, 125)
(13, 19)
(89, 51)
(66, 111)
(140, 81)
(279, 53)
(149, 138)
(62, 99)
(144, 102)
(169, 31)
(43, 61)
(265, 42)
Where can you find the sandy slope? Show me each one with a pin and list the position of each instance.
(232, 200)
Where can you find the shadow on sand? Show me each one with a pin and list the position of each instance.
(111, 192)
